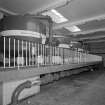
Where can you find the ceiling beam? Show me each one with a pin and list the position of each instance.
(95, 41)
(100, 17)
(89, 31)
(90, 37)
(7, 11)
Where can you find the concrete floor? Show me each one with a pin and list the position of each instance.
(87, 88)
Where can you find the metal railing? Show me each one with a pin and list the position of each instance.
(17, 53)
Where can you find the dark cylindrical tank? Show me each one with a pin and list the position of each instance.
(34, 28)
(19, 22)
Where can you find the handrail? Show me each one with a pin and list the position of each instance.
(21, 53)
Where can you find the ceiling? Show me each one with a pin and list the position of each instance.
(88, 15)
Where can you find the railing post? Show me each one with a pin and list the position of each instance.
(45, 55)
(35, 50)
(29, 53)
(26, 53)
(9, 51)
(63, 56)
(4, 52)
(14, 52)
(38, 55)
(22, 53)
(18, 55)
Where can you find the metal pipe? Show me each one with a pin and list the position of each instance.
(4, 52)
(35, 50)
(38, 55)
(29, 53)
(26, 53)
(43, 56)
(18, 54)
(32, 54)
(9, 51)
(18, 90)
(14, 52)
(63, 55)
(53, 55)
(22, 52)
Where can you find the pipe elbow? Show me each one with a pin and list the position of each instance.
(18, 90)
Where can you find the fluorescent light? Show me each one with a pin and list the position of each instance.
(56, 16)
(56, 13)
(73, 28)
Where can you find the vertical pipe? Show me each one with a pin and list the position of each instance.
(38, 56)
(26, 53)
(50, 55)
(85, 56)
(14, 52)
(9, 51)
(78, 56)
(18, 55)
(73, 54)
(63, 55)
(22, 53)
(59, 56)
(53, 56)
(32, 53)
(43, 55)
(35, 50)
(60, 49)
(50, 40)
(69, 55)
(29, 53)
(4, 52)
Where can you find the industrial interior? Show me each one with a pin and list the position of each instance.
(52, 52)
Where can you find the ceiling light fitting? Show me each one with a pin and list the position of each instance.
(56, 16)
(73, 28)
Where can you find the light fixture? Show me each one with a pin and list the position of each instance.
(73, 28)
(56, 16)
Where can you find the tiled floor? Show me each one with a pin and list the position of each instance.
(84, 89)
